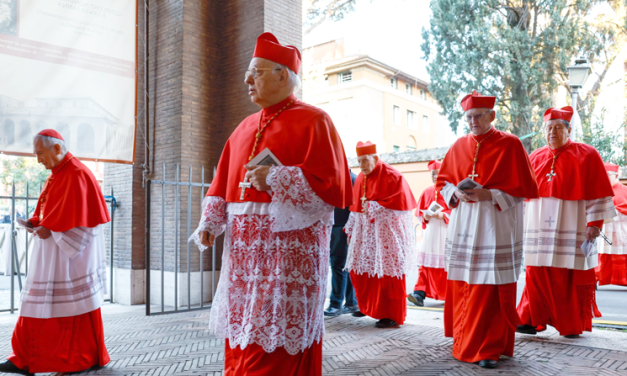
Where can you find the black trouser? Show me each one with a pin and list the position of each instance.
(341, 286)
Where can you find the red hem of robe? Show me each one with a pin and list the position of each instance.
(481, 320)
(432, 281)
(612, 270)
(381, 298)
(59, 344)
(562, 298)
(254, 361)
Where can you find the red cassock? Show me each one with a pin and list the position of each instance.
(70, 198)
(431, 280)
(560, 297)
(300, 136)
(382, 298)
(482, 318)
(612, 269)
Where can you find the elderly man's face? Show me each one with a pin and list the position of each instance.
(613, 178)
(480, 120)
(50, 158)
(268, 87)
(557, 133)
(367, 163)
(434, 175)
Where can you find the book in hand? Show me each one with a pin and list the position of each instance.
(24, 223)
(433, 209)
(468, 183)
(265, 158)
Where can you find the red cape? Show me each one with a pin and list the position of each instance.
(301, 136)
(426, 199)
(385, 185)
(73, 198)
(503, 164)
(579, 169)
(620, 198)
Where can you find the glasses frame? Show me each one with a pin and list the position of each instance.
(256, 72)
(470, 119)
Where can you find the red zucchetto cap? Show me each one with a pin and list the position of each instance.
(51, 133)
(476, 100)
(564, 113)
(434, 165)
(268, 47)
(610, 167)
(366, 148)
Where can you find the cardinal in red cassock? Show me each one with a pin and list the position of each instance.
(382, 244)
(60, 325)
(484, 236)
(561, 229)
(612, 268)
(431, 261)
(281, 173)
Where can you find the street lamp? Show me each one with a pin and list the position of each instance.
(577, 76)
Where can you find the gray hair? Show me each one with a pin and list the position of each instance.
(292, 79)
(49, 142)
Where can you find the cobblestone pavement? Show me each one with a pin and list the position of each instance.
(180, 344)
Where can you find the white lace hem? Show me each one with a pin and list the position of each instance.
(213, 219)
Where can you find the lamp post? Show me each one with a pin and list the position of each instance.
(577, 76)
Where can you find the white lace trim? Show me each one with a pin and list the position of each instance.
(212, 219)
(382, 242)
(294, 204)
(272, 285)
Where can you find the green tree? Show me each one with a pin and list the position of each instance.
(22, 170)
(515, 50)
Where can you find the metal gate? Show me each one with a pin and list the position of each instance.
(18, 264)
(156, 229)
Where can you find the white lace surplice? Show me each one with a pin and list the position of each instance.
(617, 233)
(67, 274)
(431, 249)
(382, 242)
(555, 230)
(483, 243)
(273, 279)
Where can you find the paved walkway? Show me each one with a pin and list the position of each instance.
(180, 344)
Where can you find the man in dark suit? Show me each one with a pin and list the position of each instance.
(341, 286)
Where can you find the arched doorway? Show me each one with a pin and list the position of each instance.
(86, 138)
(9, 132)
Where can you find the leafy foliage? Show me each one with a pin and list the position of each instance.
(22, 170)
(318, 11)
(515, 50)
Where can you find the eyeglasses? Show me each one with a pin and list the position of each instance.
(470, 118)
(255, 72)
(607, 240)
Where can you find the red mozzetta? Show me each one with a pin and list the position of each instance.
(620, 198)
(70, 198)
(502, 164)
(579, 172)
(386, 186)
(300, 136)
(426, 199)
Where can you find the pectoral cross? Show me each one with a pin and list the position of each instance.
(551, 174)
(549, 221)
(244, 186)
(473, 176)
(364, 205)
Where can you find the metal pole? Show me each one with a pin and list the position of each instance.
(147, 243)
(202, 254)
(146, 88)
(26, 233)
(189, 224)
(163, 240)
(111, 246)
(12, 246)
(176, 239)
(213, 259)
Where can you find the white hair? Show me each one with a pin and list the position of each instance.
(292, 79)
(370, 156)
(49, 142)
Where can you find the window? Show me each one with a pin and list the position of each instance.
(394, 83)
(425, 124)
(423, 95)
(411, 143)
(412, 120)
(408, 88)
(344, 77)
(396, 115)
(396, 148)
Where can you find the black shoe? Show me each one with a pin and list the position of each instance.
(526, 329)
(332, 311)
(358, 314)
(487, 363)
(350, 309)
(572, 336)
(417, 298)
(385, 323)
(8, 367)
